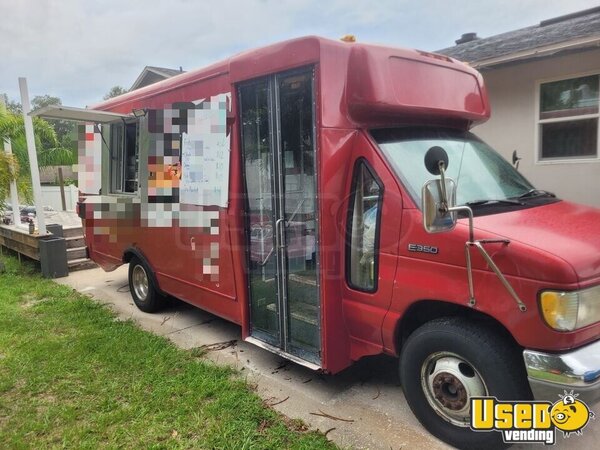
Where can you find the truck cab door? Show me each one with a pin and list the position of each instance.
(372, 227)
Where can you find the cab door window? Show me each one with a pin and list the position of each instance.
(364, 219)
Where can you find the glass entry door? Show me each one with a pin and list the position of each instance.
(277, 118)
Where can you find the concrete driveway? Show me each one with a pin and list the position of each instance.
(363, 407)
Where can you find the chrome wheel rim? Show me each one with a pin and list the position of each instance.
(139, 280)
(449, 381)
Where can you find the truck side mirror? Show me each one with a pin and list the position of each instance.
(433, 159)
(436, 217)
(438, 196)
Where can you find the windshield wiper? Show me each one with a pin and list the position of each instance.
(504, 201)
(536, 193)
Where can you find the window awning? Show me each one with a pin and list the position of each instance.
(78, 114)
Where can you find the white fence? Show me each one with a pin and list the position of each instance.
(51, 197)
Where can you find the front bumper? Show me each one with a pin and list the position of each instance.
(551, 374)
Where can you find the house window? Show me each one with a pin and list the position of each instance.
(568, 120)
(124, 156)
(364, 218)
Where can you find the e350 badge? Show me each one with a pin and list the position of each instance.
(423, 249)
(530, 421)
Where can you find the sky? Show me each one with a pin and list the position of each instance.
(78, 49)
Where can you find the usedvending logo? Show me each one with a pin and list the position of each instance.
(530, 421)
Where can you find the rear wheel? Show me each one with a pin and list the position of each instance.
(446, 362)
(144, 293)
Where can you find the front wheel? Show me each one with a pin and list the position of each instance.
(145, 295)
(446, 362)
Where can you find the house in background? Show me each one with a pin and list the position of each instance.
(152, 74)
(543, 84)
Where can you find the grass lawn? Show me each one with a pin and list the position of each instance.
(72, 376)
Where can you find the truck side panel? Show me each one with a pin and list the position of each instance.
(192, 261)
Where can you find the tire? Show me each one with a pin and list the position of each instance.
(145, 295)
(462, 359)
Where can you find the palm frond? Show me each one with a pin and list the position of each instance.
(19, 149)
(24, 189)
(58, 156)
(10, 125)
(49, 152)
(9, 171)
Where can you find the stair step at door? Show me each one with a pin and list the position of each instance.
(76, 253)
(81, 264)
(69, 232)
(75, 241)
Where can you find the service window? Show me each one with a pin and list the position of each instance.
(364, 218)
(568, 119)
(124, 157)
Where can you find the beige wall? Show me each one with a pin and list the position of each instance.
(512, 92)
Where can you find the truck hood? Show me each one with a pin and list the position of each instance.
(567, 230)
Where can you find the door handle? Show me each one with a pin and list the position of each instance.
(280, 235)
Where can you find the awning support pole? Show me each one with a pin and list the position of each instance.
(33, 162)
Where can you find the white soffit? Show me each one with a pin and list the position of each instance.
(78, 114)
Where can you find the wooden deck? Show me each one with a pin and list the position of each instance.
(18, 239)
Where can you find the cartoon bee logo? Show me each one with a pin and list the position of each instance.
(570, 415)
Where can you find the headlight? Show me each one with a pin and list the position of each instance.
(568, 311)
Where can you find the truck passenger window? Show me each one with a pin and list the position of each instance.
(124, 155)
(364, 218)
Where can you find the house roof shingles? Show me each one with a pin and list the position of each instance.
(549, 32)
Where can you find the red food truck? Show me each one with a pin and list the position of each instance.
(328, 198)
